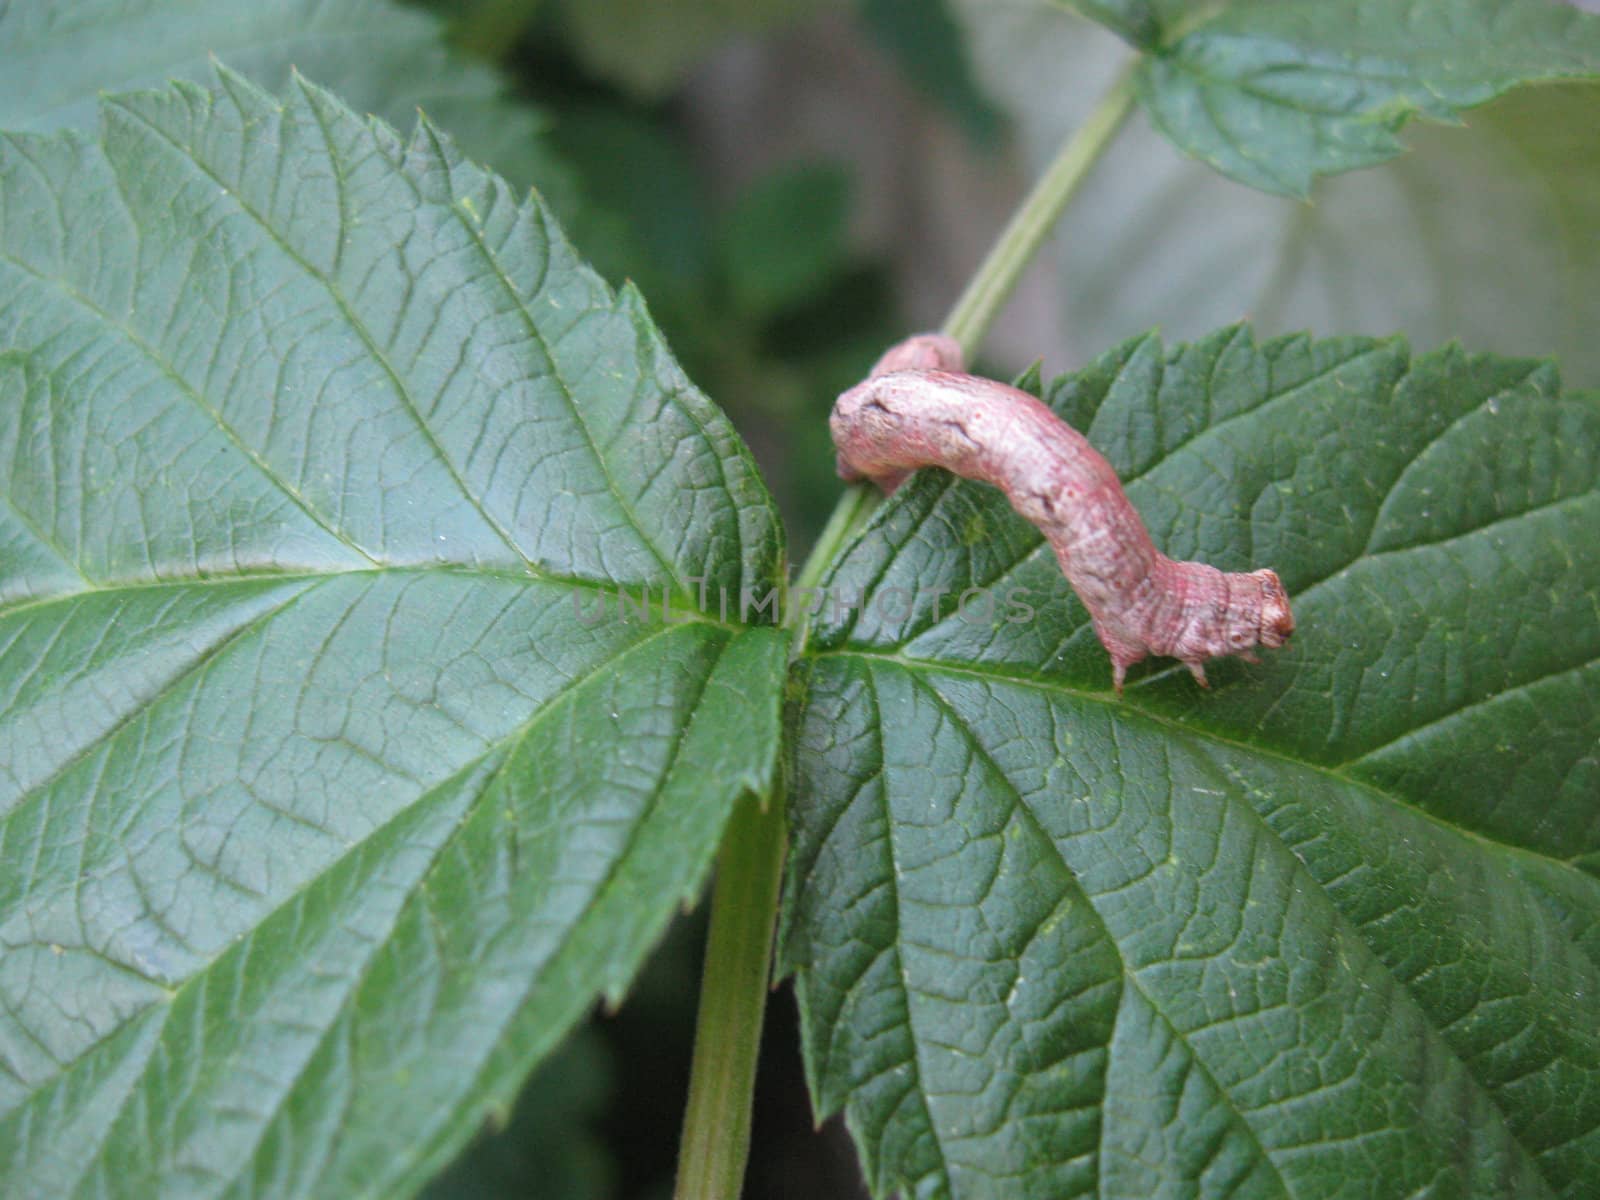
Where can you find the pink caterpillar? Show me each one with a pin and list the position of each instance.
(919, 409)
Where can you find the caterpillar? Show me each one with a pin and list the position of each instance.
(919, 408)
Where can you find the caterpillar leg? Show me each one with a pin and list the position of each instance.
(1120, 662)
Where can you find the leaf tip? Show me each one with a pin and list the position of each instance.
(237, 83)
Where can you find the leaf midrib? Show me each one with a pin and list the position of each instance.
(538, 335)
(1403, 77)
(609, 589)
(195, 663)
(401, 388)
(336, 294)
(248, 628)
(1170, 726)
(1423, 56)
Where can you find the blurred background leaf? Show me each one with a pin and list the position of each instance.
(1274, 95)
(1488, 232)
(785, 239)
(646, 46)
(927, 44)
(549, 1136)
(380, 57)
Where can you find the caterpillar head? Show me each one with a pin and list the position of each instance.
(1256, 614)
(1276, 622)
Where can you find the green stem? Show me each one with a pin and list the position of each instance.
(853, 507)
(991, 287)
(733, 1000)
(744, 906)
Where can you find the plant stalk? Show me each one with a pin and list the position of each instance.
(995, 280)
(733, 1001)
(744, 905)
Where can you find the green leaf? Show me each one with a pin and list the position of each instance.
(381, 57)
(646, 219)
(785, 239)
(1482, 233)
(925, 41)
(1275, 94)
(1138, 22)
(1332, 928)
(332, 793)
